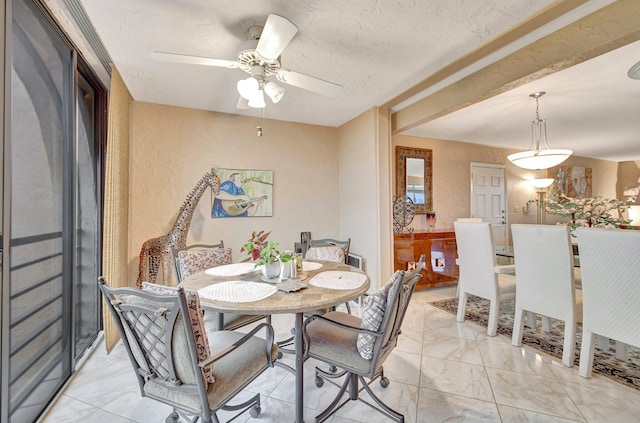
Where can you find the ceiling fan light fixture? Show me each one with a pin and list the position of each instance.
(242, 103)
(539, 155)
(247, 88)
(274, 91)
(257, 101)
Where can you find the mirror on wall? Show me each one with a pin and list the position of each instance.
(413, 176)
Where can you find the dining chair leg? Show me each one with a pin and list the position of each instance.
(586, 353)
(518, 327)
(622, 352)
(462, 305)
(530, 320)
(569, 347)
(494, 311)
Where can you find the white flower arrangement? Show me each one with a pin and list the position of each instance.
(594, 211)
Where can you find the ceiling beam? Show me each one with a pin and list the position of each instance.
(609, 28)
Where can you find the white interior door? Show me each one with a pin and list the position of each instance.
(488, 198)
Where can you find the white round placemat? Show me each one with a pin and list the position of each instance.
(308, 266)
(237, 291)
(232, 269)
(337, 279)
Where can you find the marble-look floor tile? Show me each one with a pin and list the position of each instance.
(517, 359)
(533, 393)
(403, 367)
(131, 405)
(70, 410)
(439, 327)
(436, 407)
(338, 419)
(277, 411)
(410, 341)
(455, 378)
(509, 384)
(398, 396)
(599, 404)
(314, 397)
(510, 414)
(456, 349)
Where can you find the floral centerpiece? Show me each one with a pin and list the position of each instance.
(265, 253)
(594, 211)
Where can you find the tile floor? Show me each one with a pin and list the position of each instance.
(441, 371)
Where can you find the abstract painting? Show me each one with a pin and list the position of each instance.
(571, 181)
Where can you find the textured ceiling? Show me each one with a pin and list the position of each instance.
(375, 49)
(592, 108)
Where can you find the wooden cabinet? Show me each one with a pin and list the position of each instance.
(440, 271)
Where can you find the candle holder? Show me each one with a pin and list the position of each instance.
(431, 220)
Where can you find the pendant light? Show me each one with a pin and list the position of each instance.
(539, 155)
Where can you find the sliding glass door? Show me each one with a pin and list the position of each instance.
(86, 301)
(50, 298)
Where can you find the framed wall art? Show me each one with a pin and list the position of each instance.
(243, 193)
(571, 181)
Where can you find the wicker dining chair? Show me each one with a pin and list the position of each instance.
(545, 282)
(610, 290)
(479, 273)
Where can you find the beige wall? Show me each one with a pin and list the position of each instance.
(172, 148)
(451, 179)
(359, 191)
(332, 182)
(628, 173)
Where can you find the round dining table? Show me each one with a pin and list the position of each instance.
(320, 285)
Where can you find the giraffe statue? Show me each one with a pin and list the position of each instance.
(157, 250)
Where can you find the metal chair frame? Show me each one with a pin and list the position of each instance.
(150, 331)
(237, 323)
(386, 339)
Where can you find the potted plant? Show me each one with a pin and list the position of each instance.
(265, 254)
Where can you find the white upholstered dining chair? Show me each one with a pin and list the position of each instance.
(478, 272)
(545, 281)
(610, 265)
(470, 219)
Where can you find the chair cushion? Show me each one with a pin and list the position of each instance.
(194, 261)
(372, 317)
(336, 345)
(333, 253)
(195, 318)
(231, 372)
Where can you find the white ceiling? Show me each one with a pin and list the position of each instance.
(592, 108)
(376, 49)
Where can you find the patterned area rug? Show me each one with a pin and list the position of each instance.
(604, 363)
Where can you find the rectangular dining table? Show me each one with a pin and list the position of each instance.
(328, 284)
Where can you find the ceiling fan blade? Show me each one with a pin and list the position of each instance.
(309, 83)
(193, 60)
(276, 35)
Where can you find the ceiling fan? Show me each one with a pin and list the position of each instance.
(259, 57)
